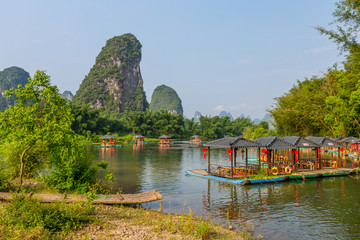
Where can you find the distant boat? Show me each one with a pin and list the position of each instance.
(138, 139)
(108, 141)
(164, 139)
(195, 139)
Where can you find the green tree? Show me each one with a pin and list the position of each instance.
(347, 20)
(41, 119)
(257, 131)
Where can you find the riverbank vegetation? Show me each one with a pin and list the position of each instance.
(152, 124)
(37, 140)
(40, 151)
(29, 219)
(328, 105)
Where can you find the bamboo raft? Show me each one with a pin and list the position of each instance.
(108, 199)
(304, 174)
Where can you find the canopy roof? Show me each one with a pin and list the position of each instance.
(164, 137)
(324, 141)
(339, 138)
(195, 136)
(349, 140)
(108, 137)
(274, 143)
(245, 143)
(300, 142)
(227, 141)
(138, 136)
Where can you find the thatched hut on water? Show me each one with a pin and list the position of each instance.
(164, 139)
(233, 144)
(108, 140)
(138, 139)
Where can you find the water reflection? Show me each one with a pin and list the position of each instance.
(327, 208)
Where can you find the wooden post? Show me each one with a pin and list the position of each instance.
(338, 158)
(293, 161)
(268, 162)
(232, 168)
(272, 160)
(235, 156)
(246, 158)
(208, 159)
(298, 158)
(316, 157)
(259, 158)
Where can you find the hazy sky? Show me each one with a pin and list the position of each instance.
(231, 55)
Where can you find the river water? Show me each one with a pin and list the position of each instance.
(327, 208)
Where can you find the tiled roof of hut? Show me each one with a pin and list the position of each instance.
(195, 136)
(300, 142)
(339, 138)
(324, 141)
(274, 143)
(108, 137)
(227, 141)
(245, 143)
(164, 137)
(349, 140)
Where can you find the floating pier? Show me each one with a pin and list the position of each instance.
(324, 172)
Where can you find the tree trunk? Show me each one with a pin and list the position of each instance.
(22, 164)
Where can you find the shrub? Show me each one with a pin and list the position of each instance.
(30, 213)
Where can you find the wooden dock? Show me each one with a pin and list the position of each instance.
(101, 198)
(300, 174)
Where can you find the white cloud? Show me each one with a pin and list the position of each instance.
(219, 108)
(317, 50)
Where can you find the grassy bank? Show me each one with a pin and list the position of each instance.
(29, 219)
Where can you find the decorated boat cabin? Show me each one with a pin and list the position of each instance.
(164, 139)
(350, 145)
(233, 145)
(108, 141)
(138, 139)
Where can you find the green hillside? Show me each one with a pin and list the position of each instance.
(114, 83)
(166, 98)
(10, 78)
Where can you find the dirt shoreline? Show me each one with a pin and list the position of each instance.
(122, 222)
(134, 223)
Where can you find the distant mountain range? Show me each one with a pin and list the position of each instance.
(226, 114)
(67, 94)
(266, 118)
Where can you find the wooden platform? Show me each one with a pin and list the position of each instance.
(102, 198)
(323, 171)
(300, 174)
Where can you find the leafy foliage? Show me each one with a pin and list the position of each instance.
(327, 105)
(36, 135)
(347, 18)
(30, 213)
(259, 130)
